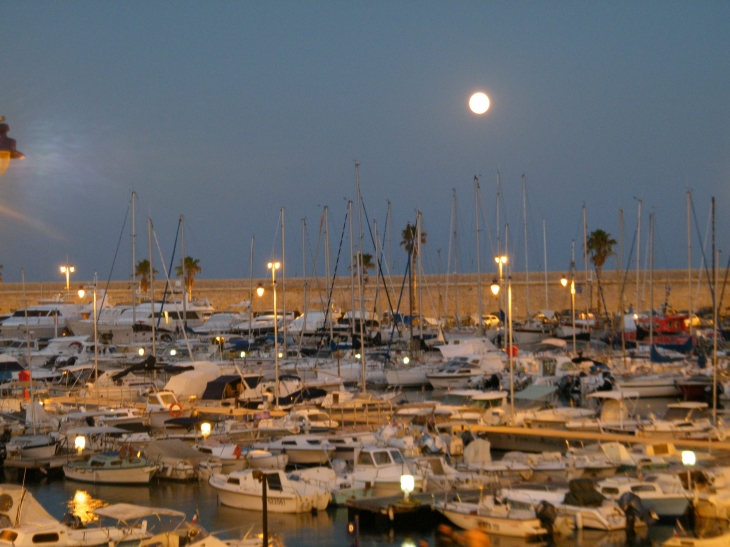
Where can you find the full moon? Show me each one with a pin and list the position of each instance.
(479, 103)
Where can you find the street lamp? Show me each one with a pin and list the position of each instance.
(564, 283)
(260, 290)
(68, 270)
(82, 293)
(273, 266)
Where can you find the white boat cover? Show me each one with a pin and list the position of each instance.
(124, 512)
(478, 452)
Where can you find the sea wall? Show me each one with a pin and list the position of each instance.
(457, 294)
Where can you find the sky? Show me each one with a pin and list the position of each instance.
(226, 112)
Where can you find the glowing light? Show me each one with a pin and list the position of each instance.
(494, 287)
(407, 484)
(500, 259)
(688, 457)
(140, 351)
(274, 265)
(173, 352)
(243, 354)
(82, 293)
(81, 496)
(80, 443)
(260, 290)
(205, 429)
(479, 103)
(564, 281)
(357, 356)
(406, 360)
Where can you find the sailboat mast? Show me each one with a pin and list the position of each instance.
(250, 292)
(638, 256)
(452, 230)
(480, 320)
(622, 313)
(360, 275)
(134, 266)
(186, 293)
(651, 281)
(714, 319)
(527, 268)
(327, 267)
(283, 284)
(689, 260)
(27, 344)
(544, 253)
(152, 286)
(419, 234)
(304, 274)
(352, 271)
(585, 266)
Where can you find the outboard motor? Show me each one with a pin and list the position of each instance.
(493, 383)
(546, 512)
(632, 507)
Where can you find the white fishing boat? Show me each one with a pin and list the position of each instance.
(580, 501)
(381, 470)
(661, 492)
(29, 447)
(243, 490)
(236, 457)
(124, 467)
(457, 372)
(493, 517)
(301, 449)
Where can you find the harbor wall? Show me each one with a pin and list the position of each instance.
(457, 293)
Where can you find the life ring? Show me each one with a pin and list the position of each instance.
(123, 452)
(176, 410)
(75, 347)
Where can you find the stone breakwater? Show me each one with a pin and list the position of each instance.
(455, 293)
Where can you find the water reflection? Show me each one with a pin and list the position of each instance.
(82, 505)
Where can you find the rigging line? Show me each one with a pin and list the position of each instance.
(276, 239)
(704, 258)
(628, 266)
(489, 230)
(167, 284)
(334, 274)
(174, 304)
(380, 268)
(114, 261)
(397, 310)
(724, 283)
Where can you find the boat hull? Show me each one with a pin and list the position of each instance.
(527, 529)
(135, 475)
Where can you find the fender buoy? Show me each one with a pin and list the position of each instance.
(176, 410)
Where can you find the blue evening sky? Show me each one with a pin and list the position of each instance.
(228, 111)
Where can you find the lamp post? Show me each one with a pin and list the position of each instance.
(273, 266)
(82, 293)
(501, 260)
(564, 283)
(68, 270)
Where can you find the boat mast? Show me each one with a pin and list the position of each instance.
(689, 260)
(527, 268)
(328, 313)
(585, 268)
(304, 276)
(250, 292)
(360, 275)
(638, 256)
(152, 286)
(27, 343)
(134, 267)
(419, 234)
(283, 289)
(544, 253)
(480, 320)
(186, 295)
(714, 319)
(452, 236)
(352, 272)
(621, 296)
(510, 349)
(651, 283)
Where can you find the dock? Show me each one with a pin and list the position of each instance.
(416, 512)
(43, 465)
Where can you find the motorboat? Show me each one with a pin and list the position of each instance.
(28, 447)
(48, 319)
(439, 476)
(661, 492)
(456, 373)
(123, 467)
(580, 500)
(478, 457)
(685, 420)
(493, 516)
(546, 466)
(615, 414)
(381, 470)
(650, 385)
(236, 457)
(301, 449)
(243, 490)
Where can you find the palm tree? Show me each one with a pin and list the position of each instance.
(192, 268)
(367, 265)
(142, 270)
(1, 273)
(409, 236)
(599, 247)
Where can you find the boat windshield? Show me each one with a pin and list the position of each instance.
(685, 413)
(397, 457)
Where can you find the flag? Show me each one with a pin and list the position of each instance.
(196, 516)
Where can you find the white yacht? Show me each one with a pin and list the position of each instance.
(49, 319)
(456, 373)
